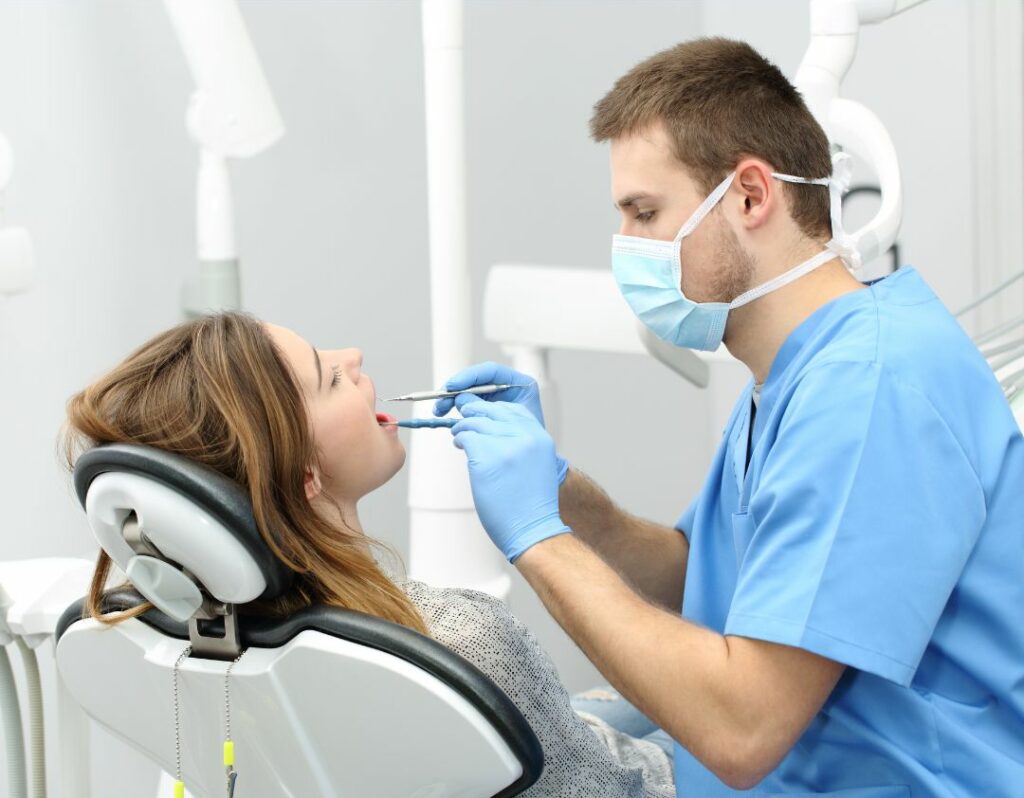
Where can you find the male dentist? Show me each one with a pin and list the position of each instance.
(840, 611)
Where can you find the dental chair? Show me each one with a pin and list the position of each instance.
(326, 702)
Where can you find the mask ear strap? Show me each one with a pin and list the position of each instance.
(842, 244)
(705, 207)
(794, 274)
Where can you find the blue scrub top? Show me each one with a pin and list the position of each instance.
(880, 524)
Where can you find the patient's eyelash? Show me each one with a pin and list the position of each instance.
(337, 375)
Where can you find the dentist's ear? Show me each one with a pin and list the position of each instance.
(755, 183)
(312, 483)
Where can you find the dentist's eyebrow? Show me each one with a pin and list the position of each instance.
(629, 200)
(319, 370)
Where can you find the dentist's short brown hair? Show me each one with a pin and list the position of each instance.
(721, 101)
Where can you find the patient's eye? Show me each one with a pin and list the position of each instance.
(337, 376)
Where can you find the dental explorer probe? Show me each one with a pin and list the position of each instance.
(479, 390)
(423, 423)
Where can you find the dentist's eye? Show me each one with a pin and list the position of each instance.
(644, 217)
(337, 376)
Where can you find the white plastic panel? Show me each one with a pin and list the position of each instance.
(322, 716)
(556, 307)
(38, 591)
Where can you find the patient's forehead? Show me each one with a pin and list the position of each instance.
(297, 350)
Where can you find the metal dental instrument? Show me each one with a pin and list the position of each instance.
(423, 423)
(479, 390)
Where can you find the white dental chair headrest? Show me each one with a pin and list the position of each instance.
(176, 528)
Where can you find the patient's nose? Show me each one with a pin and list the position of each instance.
(352, 359)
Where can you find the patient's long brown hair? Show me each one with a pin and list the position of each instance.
(217, 390)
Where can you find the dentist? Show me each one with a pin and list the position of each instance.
(840, 610)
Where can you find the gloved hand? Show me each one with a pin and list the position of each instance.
(495, 373)
(513, 471)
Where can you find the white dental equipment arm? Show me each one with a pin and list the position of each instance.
(834, 28)
(16, 254)
(231, 114)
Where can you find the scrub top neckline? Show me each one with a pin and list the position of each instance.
(803, 331)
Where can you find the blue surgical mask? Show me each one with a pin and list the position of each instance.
(649, 272)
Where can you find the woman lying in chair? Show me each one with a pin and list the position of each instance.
(298, 429)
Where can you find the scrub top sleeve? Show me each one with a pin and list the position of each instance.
(686, 520)
(859, 526)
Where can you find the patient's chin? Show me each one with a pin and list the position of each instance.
(396, 461)
(400, 456)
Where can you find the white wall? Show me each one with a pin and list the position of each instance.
(332, 220)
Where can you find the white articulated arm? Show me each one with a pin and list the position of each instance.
(848, 124)
(863, 134)
(231, 114)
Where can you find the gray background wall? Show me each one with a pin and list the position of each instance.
(92, 97)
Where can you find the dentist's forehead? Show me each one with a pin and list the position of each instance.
(643, 166)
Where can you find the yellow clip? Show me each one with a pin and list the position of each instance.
(179, 789)
(229, 754)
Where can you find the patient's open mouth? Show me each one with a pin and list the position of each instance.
(384, 418)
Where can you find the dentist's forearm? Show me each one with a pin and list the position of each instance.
(649, 556)
(737, 704)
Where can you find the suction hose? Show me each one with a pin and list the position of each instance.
(37, 738)
(11, 711)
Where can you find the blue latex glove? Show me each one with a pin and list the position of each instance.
(494, 373)
(513, 471)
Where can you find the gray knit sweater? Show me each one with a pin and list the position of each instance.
(584, 757)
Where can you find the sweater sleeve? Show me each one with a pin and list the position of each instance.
(582, 758)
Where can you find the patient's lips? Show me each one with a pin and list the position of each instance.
(384, 418)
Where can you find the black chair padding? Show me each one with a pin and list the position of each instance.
(377, 633)
(221, 497)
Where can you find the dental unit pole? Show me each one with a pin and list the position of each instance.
(16, 253)
(231, 114)
(447, 546)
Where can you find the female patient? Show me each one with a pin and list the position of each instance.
(298, 429)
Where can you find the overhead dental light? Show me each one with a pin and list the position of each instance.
(231, 114)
